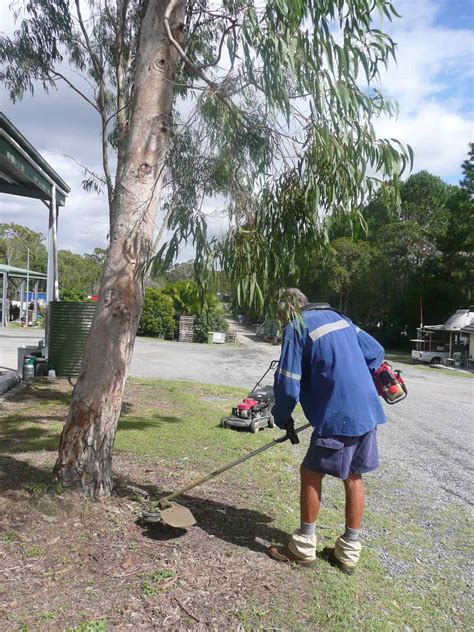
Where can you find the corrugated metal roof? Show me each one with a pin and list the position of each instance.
(15, 133)
(460, 319)
(468, 329)
(21, 273)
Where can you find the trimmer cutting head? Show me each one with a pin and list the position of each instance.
(174, 515)
(171, 514)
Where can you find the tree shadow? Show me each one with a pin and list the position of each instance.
(16, 474)
(34, 393)
(33, 433)
(240, 526)
(156, 420)
(42, 433)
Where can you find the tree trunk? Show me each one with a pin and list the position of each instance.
(85, 451)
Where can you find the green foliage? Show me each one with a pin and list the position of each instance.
(97, 625)
(73, 296)
(157, 319)
(156, 580)
(423, 197)
(187, 301)
(79, 272)
(422, 253)
(187, 298)
(341, 271)
(292, 118)
(295, 66)
(13, 252)
(467, 183)
(204, 323)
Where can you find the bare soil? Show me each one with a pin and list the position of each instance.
(66, 563)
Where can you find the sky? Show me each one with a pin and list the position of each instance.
(432, 81)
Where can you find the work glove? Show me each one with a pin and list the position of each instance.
(290, 431)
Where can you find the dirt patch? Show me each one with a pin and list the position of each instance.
(67, 562)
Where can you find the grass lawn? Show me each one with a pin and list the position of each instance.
(70, 564)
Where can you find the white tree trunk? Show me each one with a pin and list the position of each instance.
(85, 452)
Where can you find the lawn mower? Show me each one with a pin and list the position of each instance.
(254, 411)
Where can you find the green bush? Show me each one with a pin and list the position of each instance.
(73, 296)
(187, 302)
(157, 318)
(203, 324)
(186, 298)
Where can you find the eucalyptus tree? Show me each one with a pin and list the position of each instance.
(279, 97)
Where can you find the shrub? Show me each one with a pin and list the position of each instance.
(157, 318)
(73, 296)
(186, 299)
(203, 324)
(187, 302)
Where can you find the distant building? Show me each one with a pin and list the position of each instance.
(450, 344)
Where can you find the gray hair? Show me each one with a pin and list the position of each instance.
(292, 295)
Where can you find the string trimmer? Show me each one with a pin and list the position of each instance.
(175, 515)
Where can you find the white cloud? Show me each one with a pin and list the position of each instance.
(438, 137)
(432, 82)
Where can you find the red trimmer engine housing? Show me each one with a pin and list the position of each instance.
(389, 384)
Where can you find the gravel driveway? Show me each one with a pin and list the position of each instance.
(429, 437)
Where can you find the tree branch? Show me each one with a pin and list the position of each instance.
(218, 58)
(197, 71)
(72, 86)
(101, 104)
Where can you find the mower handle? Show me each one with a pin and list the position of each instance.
(273, 365)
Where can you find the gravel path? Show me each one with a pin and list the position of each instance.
(428, 440)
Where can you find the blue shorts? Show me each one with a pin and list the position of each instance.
(340, 456)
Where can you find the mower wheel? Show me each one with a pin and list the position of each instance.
(254, 427)
(271, 422)
(223, 423)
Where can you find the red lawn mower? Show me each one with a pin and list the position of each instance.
(254, 411)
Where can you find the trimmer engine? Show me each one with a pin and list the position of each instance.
(389, 384)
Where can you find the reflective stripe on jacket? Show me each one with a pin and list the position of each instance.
(325, 364)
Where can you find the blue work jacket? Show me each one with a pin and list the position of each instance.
(325, 364)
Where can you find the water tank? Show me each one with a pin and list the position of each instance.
(68, 325)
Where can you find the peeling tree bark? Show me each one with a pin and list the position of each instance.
(85, 452)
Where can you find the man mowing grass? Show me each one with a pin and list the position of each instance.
(326, 363)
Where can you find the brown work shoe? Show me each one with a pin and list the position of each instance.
(328, 555)
(283, 554)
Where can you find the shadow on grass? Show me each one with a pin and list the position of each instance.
(31, 433)
(140, 423)
(35, 393)
(16, 474)
(26, 433)
(240, 526)
(243, 527)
